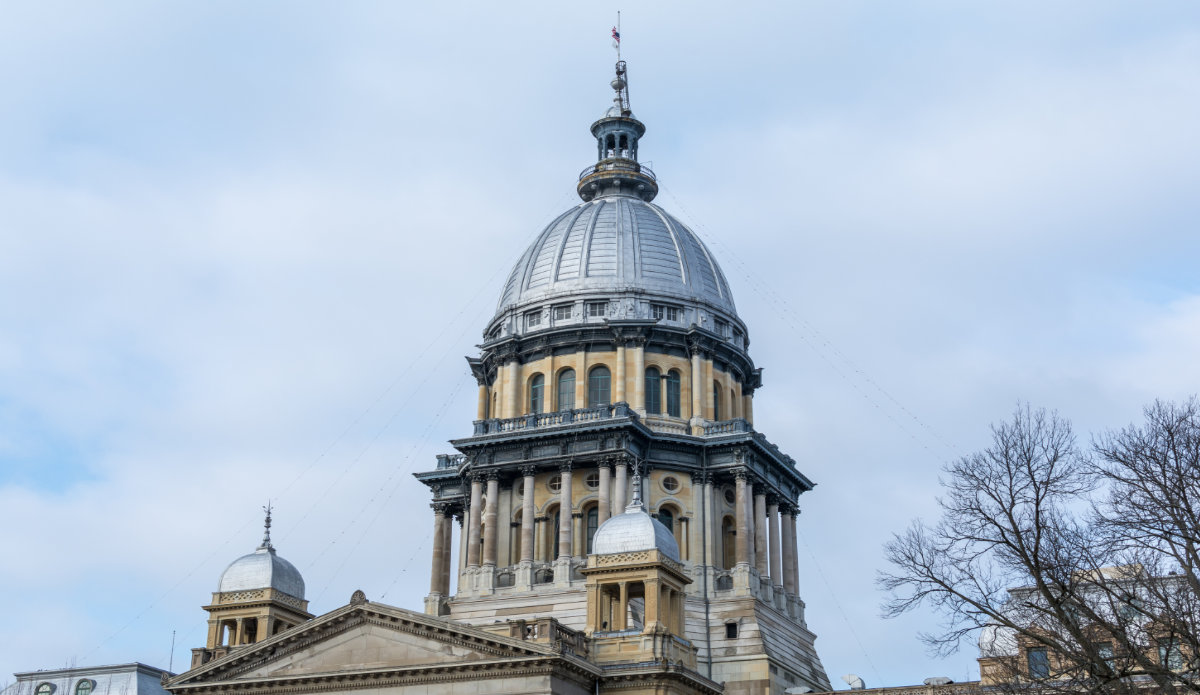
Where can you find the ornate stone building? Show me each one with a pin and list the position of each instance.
(621, 525)
(616, 340)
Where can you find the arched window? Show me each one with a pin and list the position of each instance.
(593, 522)
(732, 403)
(716, 401)
(673, 393)
(514, 547)
(566, 389)
(84, 687)
(728, 541)
(599, 387)
(666, 518)
(537, 387)
(653, 391)
(553, 555)
(44, 689)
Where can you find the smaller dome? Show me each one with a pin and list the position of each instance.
(634, 530)
(262, 569)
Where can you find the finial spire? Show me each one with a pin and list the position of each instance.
(635, 504)
(266, 544)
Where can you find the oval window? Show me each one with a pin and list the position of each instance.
(592, 481)
(729, 498)
(670, 484)
(555, 483)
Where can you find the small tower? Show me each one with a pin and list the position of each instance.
(617, 171)
(259, 595)
(635, 590)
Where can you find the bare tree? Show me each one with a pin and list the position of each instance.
(1037, 552)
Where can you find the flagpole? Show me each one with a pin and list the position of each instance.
(618, 36)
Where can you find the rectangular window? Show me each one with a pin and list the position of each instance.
(597, 310)
(662, 312)
(731, 630)
(1170, 655)
(722, 328)
(563, 312)
(1039, 663)
(533, 319)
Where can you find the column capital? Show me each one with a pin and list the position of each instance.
(566, 466)
(576, 515)
(773, 500)
(744, 475)
(440, 508)
(492, 475)
(606, 462)
(527, 471)
(701, 478)
(477, 477)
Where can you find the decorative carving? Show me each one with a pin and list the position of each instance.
(358, 598)
(440, 508)
(528, 471)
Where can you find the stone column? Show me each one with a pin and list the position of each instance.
(698, 387)
(489, 519)
(473, 523)
(439, 548)
(650, 619)
(793, 572)
(619, 375)
(744, 542)
(639, 376)
(696, 550)
(527, 515)
(709, 393)
(621, 620)
(564, 513)
(481, 405)
(448, 544)
(712, 528)
(776, 546)
(620, 487)
(789, 550)
(748, 408)
(760, 533)
(604, 509)
(463, 518)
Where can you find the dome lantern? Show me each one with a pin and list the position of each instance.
(617, 171)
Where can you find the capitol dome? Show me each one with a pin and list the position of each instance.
(262, 569)
(617, 244)
(632, 531)
(616, 255)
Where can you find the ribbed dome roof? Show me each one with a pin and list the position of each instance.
(632, 531)
(262, 569)
(616, 244)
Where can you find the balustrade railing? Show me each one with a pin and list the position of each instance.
(737, 425)
(629, 166)
(450, 460)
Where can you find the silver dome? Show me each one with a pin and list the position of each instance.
(612, 245)
(631, 531)
(262, 569)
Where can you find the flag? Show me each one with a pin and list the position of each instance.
(616, 38)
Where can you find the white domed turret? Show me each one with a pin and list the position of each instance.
(258, 596)
(635, 530)
(262, 569)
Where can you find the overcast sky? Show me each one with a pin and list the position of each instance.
(244, 248)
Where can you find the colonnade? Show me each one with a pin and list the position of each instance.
(765, 537)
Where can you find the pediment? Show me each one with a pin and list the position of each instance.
(357, 639)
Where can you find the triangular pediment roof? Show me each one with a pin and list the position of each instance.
(374, 644)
